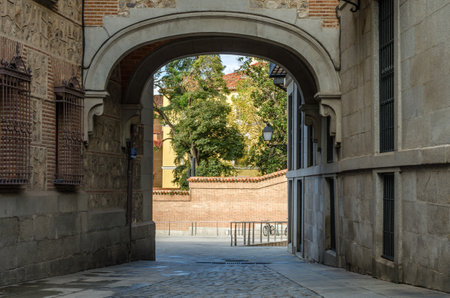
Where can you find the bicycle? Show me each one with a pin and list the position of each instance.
(270, 228)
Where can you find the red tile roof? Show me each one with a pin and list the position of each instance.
(231, 79)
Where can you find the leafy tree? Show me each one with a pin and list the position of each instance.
(260, 102)
(197, 114)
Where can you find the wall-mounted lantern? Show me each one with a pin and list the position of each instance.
(267, 132)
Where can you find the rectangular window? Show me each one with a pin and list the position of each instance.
(310, 146)
(331, 216)
(69, 109)
(299, 138)
(330, 142)
(388, 216)
(15, 122)
(386, 79)
(290, 134)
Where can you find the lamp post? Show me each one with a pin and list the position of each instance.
(267, 132)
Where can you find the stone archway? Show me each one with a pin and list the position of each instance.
(301, 44)
(188, 34)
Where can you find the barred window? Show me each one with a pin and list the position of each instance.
(386, 49)
(388, 216)
(69, 116)
(15, 121)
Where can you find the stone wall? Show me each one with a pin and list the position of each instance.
(425, 64)
(45, 230)
(214, 201)
(420, 161)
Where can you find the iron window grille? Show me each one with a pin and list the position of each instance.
(290, 133)
(15, 121)
(386, 56)
(299, 138)
(310, 146)
(332, 214)
(69, 116)
(388, 216)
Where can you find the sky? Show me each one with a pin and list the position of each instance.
(230, 62)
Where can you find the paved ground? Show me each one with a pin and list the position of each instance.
(211, 268)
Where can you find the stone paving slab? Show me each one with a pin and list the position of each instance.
(209, 267)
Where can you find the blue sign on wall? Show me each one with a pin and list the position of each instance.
(133, 153)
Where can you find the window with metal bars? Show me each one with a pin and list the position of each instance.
(386, 79)
(299, 138)
(388, 216)
(310, 146)
(15, 121)
(330, 142)
(332, 244)
(290, 133)
(69, 113)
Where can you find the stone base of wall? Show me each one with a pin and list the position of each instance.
(143, 241)
(49, 233)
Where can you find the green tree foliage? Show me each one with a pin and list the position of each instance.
(260, 102)
(198, 116)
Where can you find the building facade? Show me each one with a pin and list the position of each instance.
(367, 170)
(368, 127)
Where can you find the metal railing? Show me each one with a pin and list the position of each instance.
(264, 231)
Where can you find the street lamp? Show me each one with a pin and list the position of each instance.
(267, 132)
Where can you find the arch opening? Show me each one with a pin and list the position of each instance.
(307, 63)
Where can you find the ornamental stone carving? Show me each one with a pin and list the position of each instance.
(71, 9)
(125, 5)
(300, 5)
(36, 129)
(39, 67)
(34, 25)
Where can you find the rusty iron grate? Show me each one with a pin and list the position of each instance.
(69, 109)
(15, 121)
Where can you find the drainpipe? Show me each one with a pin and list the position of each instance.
(131, 156)
(83, 39)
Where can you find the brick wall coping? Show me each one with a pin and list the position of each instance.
(171, 192)
(238, 179)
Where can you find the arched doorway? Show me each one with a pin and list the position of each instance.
(163, 39)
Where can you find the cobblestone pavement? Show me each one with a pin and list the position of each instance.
(211, 268)
(224, 281)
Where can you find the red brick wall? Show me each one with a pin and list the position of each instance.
(94, 10)
(326, 10)
(225, 199)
